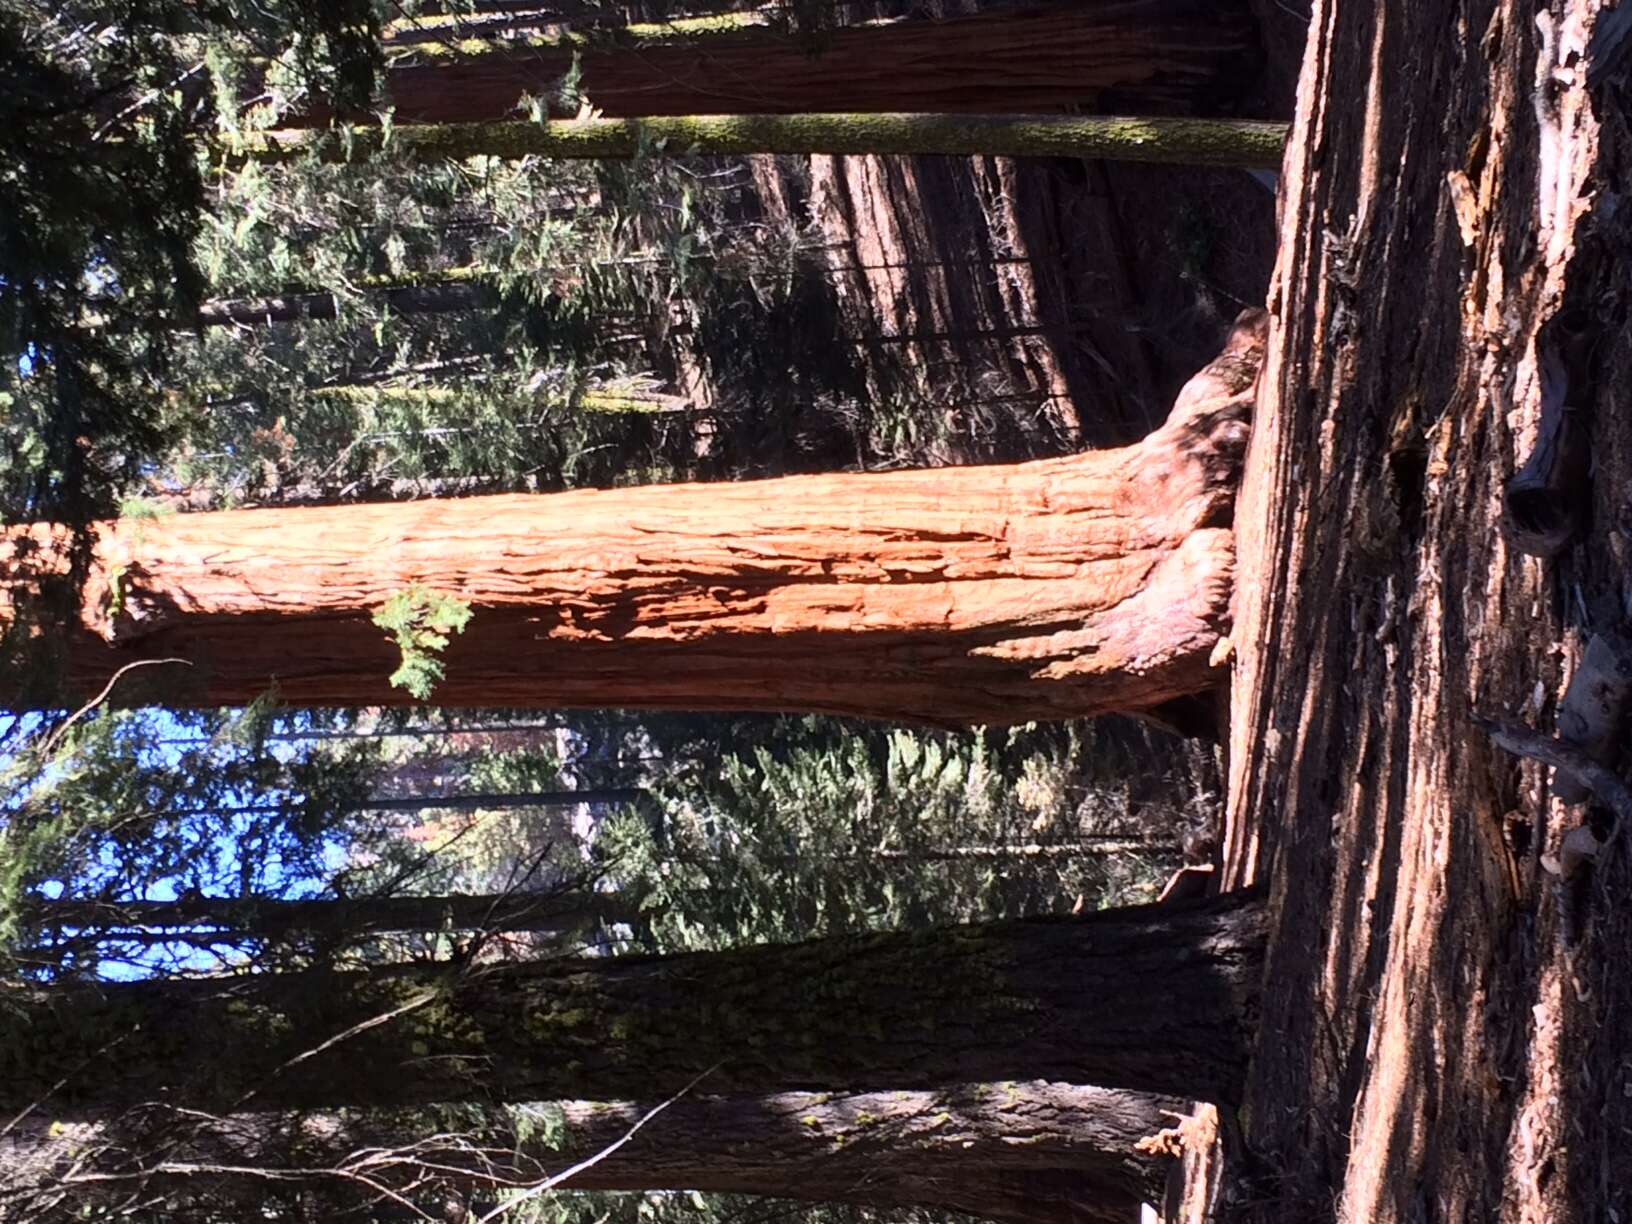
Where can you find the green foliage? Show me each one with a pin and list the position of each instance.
(822, 828)
(383, 396)
(116, 808)
(143, 508)
(420, 621)
(101, 189)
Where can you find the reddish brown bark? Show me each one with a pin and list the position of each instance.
(1058, 588)
(1145, 56)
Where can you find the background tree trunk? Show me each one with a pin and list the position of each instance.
(268, 918)
(1059, 588)
(435, 297)
(613, 398)
(1151, 999)
(1150, 56)
(1246, 143)
(481, 801)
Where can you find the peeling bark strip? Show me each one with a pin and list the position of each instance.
(1154, 999)
(1059, 588)
(1146, 55)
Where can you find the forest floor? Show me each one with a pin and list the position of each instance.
(1447, 1026)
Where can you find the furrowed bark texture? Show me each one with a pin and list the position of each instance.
(1246, 143)
(1019, 1152)
(1058, 588)
(1143, 55)
(1155, 999)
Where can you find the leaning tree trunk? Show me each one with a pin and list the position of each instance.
(480, 801)
(1021, 1153)
(890, 1148)
(1149, 56)
(613, 398)
(1058, 588)
(1156, 999)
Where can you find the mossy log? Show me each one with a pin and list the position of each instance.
(1245, 143)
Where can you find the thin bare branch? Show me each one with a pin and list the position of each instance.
(589, 1162)
(56, 736)
(413, 1004)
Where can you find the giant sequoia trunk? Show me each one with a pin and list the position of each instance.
(1058, 588)
(1152, 999)
(1021, 1153)
(1144, 56)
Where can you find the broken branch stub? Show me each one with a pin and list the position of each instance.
(1604, 783)
(1543, 504)
(1590, 714)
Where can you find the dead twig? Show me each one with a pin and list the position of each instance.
(56, 736)
(413, 1004)
(589, 1162)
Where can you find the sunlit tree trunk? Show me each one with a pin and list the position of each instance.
(1059, 588)
(613, 398)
